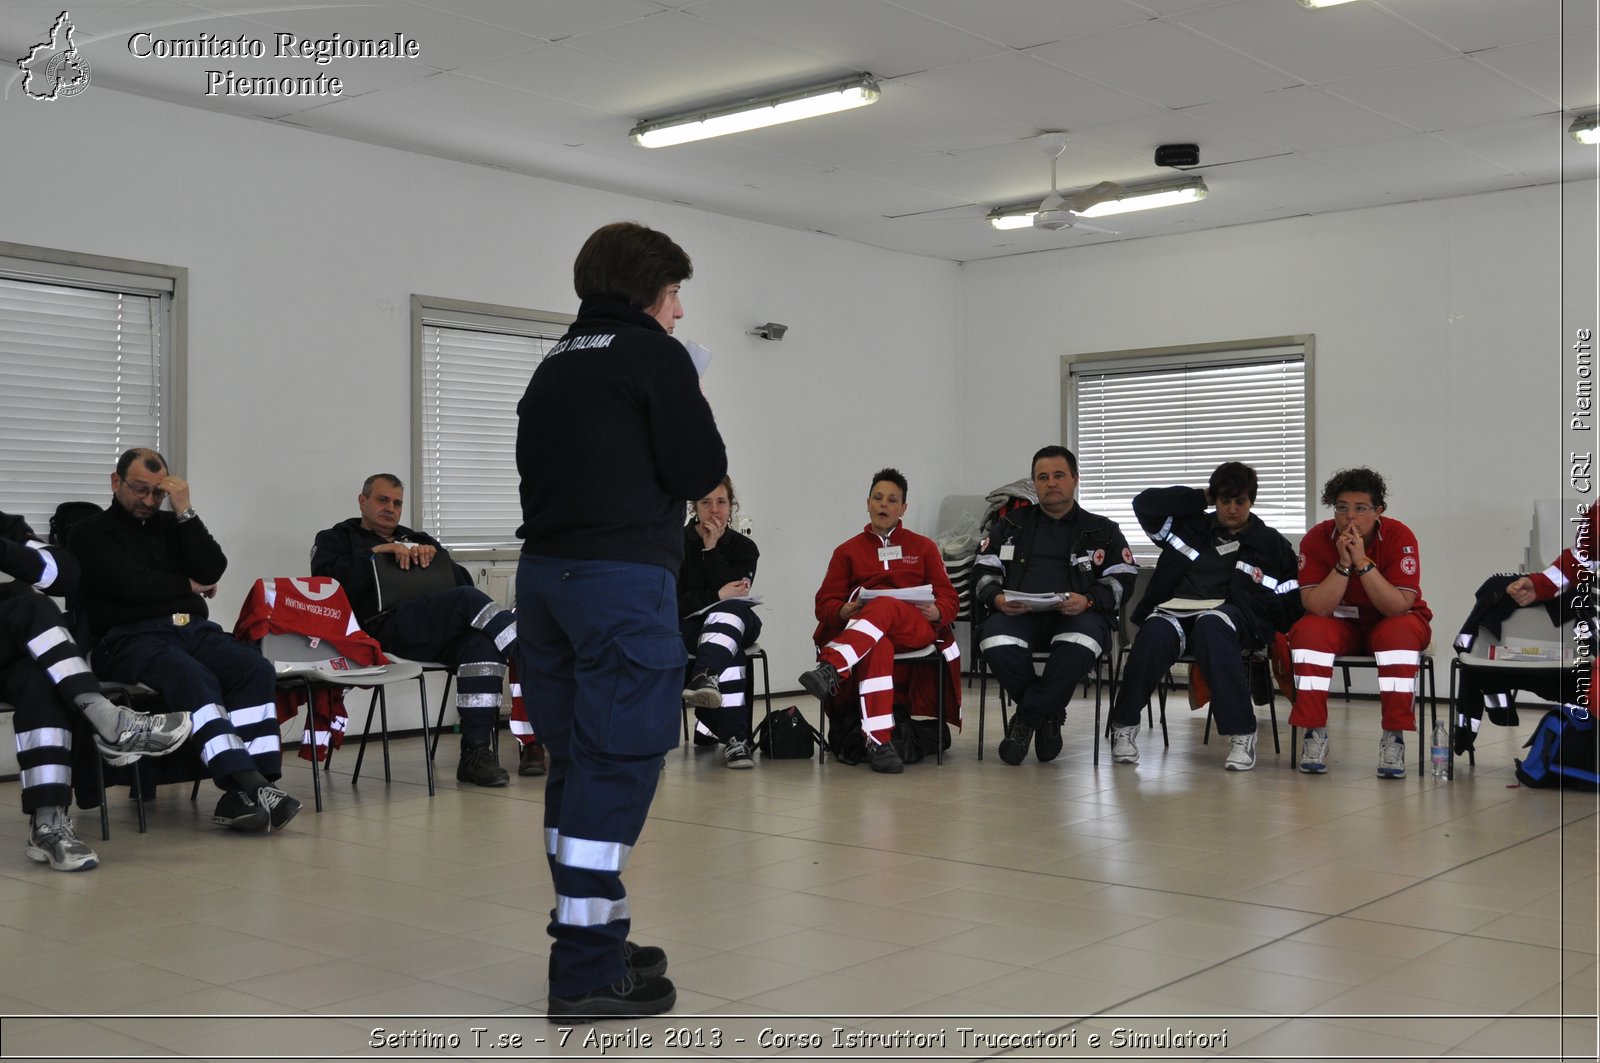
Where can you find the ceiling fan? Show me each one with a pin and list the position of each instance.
(1062, 212)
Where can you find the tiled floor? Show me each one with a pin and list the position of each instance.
(1296, 916)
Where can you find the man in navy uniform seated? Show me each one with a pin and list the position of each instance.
(147, 574)
(461, 627)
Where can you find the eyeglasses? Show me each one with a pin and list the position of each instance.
(1360, 509)
(149, 491)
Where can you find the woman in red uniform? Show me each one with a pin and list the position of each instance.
(1360, 582)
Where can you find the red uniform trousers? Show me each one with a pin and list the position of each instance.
(865, 651)
(1396, 641)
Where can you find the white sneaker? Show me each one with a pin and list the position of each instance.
(1392, 756)
(1242, 755)
(1314, 753)
(59, 846)
(1124, 750)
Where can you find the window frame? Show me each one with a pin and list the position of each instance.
(468, 314)
(1200, 355)
(80, 269)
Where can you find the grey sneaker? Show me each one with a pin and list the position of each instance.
(1124, 747)
(1392, 755)
(738, 754)
(1242, 752)
(59, 846)
(145, 735)
(1314, 753)
(703, 693)
(822, 682)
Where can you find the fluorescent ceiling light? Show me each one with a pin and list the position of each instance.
(1145, 197)
(1585, 130)
(1322, 3)
(768, 110)
(1165, 194)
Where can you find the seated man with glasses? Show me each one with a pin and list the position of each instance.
(146, 576)
(1360, 582)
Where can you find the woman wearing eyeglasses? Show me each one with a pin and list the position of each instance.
(1361, 584)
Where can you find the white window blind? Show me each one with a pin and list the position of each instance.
(474, 369)
(1158, 421)
(81, 380)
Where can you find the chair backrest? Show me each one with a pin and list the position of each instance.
(396, 584)
(1141, 583)
(1544, 644)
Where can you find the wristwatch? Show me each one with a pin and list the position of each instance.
(188, 514)
(1343, 570)
(1368, 567)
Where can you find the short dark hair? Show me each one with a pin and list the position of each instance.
(1054, 451)
(366, 485)
(893, 476)
(1360, 480)
(1230, 480)
(152, 460)
(628, 261)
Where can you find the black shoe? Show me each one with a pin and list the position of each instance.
(1047, 741)
(281, 808)
(703, 693)
(885, 759)
(645, 961)
(822, 682)
(480, 767)
(530, 759)
(1014, 746)
(238, 810)
(632, 997)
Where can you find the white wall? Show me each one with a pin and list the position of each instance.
(1441, 341)
(1441, 349)
(303, 251)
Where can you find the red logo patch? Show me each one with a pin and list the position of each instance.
(1099, 557)
(1255, 574)
(1408, 565)
(1302, 562)
(1127, 555)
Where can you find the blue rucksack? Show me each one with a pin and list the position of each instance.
(1562, 751)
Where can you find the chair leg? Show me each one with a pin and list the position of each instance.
(138, 797)
(383, 721)
(983, 694)
(105, 812)
(361, 752)
(938, 732)
(311, 728)
(1096, 761)
(427, 743)
(438, 724)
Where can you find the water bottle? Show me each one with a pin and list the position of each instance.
(1441, 750)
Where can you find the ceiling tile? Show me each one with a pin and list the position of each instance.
(865, 35)
(1471, 26)
(1561, 69)
(1453, 92)
(1164, 63)
(552, 20)
(695, 57)
(1293, 183)
(1411, 165)
(1027, 23)
(565, 73)
(1315, 45)
(1032, 92)
(445, 41)
(911, 115)
(1300, 118)
(870, 194)
(1536, 146)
